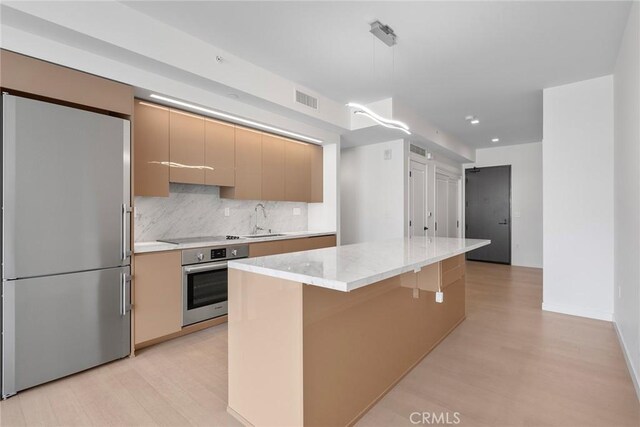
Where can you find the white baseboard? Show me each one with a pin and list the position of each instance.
(578, 311)
(634, 375)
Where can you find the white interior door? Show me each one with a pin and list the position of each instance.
(453, 222)
(417, 199)
(442, 206)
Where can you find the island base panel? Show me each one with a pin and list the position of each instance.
(358, 345)
(305, 355)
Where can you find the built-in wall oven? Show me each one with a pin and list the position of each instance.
(204, 281)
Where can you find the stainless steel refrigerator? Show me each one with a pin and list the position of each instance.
(65, 241)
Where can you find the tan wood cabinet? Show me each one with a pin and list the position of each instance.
(248, 185)
(34, 76)
(176, 146)
(272, 167)
(219, 153)
(317, 176)
(150, 150)
(157, 295)
(291, 245)
(297, 185)
(186, 148)
(265, 248)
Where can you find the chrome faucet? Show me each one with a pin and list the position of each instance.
(256, 228)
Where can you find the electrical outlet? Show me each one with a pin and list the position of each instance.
(226, 212)
(296, 211)
(439, 297)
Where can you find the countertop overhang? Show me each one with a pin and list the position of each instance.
(349, 267)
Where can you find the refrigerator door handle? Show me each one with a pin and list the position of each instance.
(125, 212)
(124, 307)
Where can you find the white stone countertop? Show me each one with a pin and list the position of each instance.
(349, 267)
(155, 246)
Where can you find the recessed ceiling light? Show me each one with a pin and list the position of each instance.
(495, 140)
(472, 120)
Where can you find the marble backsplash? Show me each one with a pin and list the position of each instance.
(198, 210)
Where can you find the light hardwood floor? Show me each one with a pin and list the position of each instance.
(507, 364)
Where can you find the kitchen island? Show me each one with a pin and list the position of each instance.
(317, 337)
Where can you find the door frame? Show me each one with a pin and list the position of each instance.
(510, 219)
(423, 161)
(450, 176)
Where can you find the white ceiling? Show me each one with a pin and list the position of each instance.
(453, 59)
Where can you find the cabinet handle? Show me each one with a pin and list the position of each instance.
(124, 307)
(125, 253)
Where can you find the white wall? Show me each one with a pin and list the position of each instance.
(577, 170)
(526, 197)
(627, 193)
(323, 216)
(372, 192)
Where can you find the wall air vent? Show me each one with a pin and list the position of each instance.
(418, 150)
(306, 99)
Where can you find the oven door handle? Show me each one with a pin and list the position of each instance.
(206, 267)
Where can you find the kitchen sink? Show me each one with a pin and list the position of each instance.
(256, 236)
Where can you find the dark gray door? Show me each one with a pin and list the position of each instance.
(488, 212)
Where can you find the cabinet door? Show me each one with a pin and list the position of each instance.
(272, 167)
(321, 242)
(266, 248)
(219, 153)
(157, 295)
(248, 185)
(186, 148)
(150, 150)
(317, 176)
(297, 171)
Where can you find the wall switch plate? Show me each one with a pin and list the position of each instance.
(226, 212)
(439, 297)
(296, 211)
(388, 154)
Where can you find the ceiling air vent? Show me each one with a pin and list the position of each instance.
(306, 99)
(418, 150)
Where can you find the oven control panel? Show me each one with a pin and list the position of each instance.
(214, 253)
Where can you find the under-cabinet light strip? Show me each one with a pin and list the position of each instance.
(236, 119)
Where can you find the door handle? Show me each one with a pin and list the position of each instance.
(503, 222)
(426, 228)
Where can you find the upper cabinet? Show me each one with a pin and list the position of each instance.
(151, 150)
(186, 148)
(272, 167)
(175, 146)
(219, 153)
(248, 179)
(317, 177)
(297, 171)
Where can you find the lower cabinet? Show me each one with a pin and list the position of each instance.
(291, 245)
(157, 303)
(157, 295)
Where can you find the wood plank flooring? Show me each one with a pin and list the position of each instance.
(507, 364)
